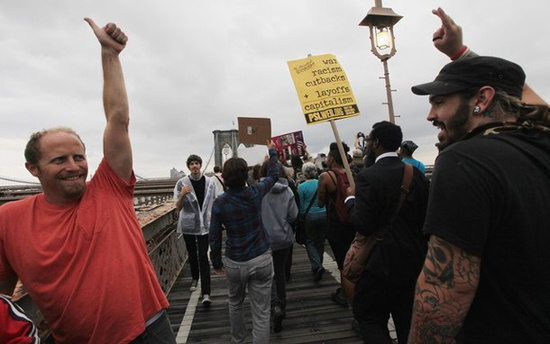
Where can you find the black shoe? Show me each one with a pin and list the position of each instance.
(355, 326)
(339, 299)
(319, 274)
(278, 316)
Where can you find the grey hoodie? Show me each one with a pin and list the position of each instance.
(279, 209)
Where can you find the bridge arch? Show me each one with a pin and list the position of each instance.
(221, 138)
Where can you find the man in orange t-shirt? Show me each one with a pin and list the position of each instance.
(78, 247)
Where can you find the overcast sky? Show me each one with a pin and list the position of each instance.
(192, 67)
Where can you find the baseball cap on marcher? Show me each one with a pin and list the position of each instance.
(476, 71)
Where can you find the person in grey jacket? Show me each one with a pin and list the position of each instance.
(194, 196)
(279, 210)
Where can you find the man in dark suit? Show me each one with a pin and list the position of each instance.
(387, 283)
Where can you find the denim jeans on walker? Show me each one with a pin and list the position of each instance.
(257, 275)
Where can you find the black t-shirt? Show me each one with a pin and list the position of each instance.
(490, 196)
(199, 186)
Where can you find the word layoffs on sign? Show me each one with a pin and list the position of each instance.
(323, 89)
(289, 144)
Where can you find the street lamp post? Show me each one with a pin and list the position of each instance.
(225, 151)
(380, 21)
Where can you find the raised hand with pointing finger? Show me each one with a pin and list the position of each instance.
(448, 38)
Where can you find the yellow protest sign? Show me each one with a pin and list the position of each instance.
(323, 89)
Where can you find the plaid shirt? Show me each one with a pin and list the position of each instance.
(239, 210)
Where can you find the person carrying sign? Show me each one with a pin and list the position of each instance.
(248, 262)
(332, 194)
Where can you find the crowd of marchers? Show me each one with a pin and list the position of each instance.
(462, 258)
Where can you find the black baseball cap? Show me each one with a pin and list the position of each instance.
(476, 71)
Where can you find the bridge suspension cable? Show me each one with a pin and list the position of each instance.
(208, 163)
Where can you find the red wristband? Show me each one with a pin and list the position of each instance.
(459, 53)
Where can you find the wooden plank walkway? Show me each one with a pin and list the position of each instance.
(311, 317)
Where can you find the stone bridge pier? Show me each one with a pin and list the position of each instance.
(222, 138)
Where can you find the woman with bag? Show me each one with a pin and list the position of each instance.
(314, 218)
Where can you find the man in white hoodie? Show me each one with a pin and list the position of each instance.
(194, 196)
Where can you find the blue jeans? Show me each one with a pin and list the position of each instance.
(316, 231)
(159, 332)
(257, 275)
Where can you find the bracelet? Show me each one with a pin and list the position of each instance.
(459, 53)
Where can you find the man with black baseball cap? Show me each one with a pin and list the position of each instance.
(487, 272)
(459, 81)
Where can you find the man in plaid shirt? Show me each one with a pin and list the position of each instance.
(248, 261)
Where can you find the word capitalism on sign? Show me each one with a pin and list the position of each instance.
(323, 89)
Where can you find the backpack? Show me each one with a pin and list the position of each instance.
(342, 184)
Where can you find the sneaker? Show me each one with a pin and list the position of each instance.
(338, 298)
(194, 284)
(206, 300)
(277, 319)
(319, 274)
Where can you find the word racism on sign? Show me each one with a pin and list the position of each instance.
(323, 89)
(291, 143)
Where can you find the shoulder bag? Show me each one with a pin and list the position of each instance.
(301, 235)
(362, 246)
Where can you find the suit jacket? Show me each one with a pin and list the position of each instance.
(399, 257)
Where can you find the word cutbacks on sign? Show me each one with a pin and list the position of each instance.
(323, 89)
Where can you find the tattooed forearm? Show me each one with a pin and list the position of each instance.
(439, 264)
(468, 268)
(444, 291)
